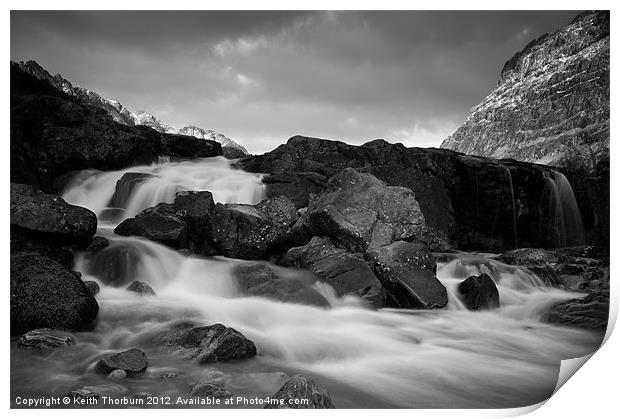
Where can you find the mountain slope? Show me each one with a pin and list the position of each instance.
(551, 101)
(125, 116)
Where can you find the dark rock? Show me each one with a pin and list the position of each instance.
(591, 312)
(208, 344)
(132, 361)
(209, 390)
(358, 211)
(97, 243)
(280, 210)
(93, 287)
(49, 216)
(344, 272)
(161, 223)
(125, 187)
(141, 288)
(301, 388)
(407, 274)
(45, 294)
(298, 187)
(117, 375)
(24, 242)
(258, 279)
(479, 293)
(529, 257)
(187, 146)
(116, 264)
(45, 339)
(198, 207)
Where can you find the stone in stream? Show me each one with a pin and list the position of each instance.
(117, 375)
(132, 361)
(209, 390)
(590, 312)
(97, 243)
(407, 274)
(141, 288)
(303, 390)
(93, 287)
(161, 223)
(49, 217)
(479, 293)
(45, 339)
(45, 294)
(208, 344)
(346, 273)
(258, 279)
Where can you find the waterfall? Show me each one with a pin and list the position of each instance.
(514, 207)
(564, 213)
(121, 194)
(450, 357)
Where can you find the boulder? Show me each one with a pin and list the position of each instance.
(132, 361)
(590, 312)
(280, 210)
(209, 344)
(297, 187)
(479, 293)
(45, 294)
(407, 274)
(301, 389)
(198, 207)
(258, 279)
(529, 257)
(49, 217)
(93, 287)
(45, 339)
(24, 242)
(161, 223)
(246, 232)
(97, 243)
(209, 390)
(360, 212)
(141, 288)
(346, 273)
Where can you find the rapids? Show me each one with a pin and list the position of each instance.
(365, 358)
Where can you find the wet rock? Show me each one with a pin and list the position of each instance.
(209, 390)
(93, 287)
(141, 288)
(45, 339)
(208, 344)
(117, 375)
(49, 216)
(97, 243)
(198, 207)
(529, 256)
(407, 274)
(358, 211)
(125, 187)
(24, 242)
(280, 210)
(161, 223)
(479, 293)
(590, 312)
(344, 272)
(297, 187)
(132, 361)
(116, 264)
(301, 388)
(45, 294)
(258, 279)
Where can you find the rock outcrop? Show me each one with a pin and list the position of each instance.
(477, 203)
(551, 100)
(479, 293)
(161, 223)
(45, 294)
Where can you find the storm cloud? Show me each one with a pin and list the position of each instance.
(262, 76)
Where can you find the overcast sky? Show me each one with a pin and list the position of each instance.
(262, 77)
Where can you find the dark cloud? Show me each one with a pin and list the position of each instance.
(261, 77)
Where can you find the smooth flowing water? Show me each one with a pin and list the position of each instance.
(365, 358)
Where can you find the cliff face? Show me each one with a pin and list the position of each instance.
(551, 101)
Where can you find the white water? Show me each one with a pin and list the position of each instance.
(564, 210)
(365, 358)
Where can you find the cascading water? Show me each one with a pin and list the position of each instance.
(450, 357)
(564, 211)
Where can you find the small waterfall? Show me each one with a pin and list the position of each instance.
(120, 194)
(564, 213)
(514, 207)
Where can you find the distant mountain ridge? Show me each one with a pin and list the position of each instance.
(125, 116)
(551, 102)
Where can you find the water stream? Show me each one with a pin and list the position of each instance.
(365, 358)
